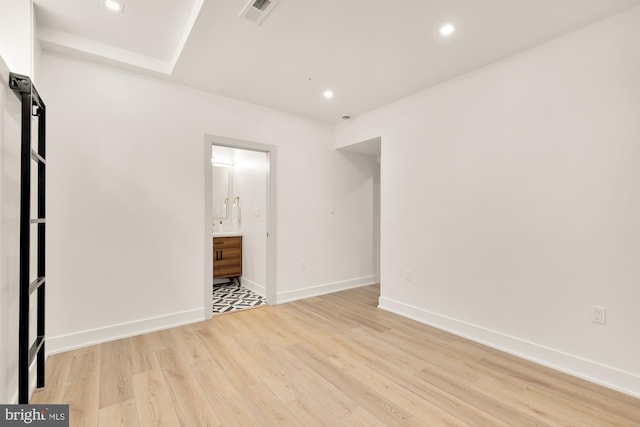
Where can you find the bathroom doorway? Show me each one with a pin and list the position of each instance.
(240, 207)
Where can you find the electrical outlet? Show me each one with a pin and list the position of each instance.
(303, 263)
(407, 274)
(598, 314)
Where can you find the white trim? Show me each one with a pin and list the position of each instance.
(327, 288)
(207, 279)
(123, 330)
(608, 376)
(73, 45)
(254, 286)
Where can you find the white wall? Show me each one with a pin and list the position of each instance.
(336, 240)
(16, 41)
(221, 218)
(126, 205)
(250, 184)
(19, 53)
(513, 195)
(10, 119)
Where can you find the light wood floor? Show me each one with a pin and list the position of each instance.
(334, 360)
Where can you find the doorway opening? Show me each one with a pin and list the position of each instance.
(372, 148)
(240, 191)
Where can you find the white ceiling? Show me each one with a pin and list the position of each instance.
(369, 52)
(148, 35)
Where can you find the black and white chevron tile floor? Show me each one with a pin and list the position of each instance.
(229, 297)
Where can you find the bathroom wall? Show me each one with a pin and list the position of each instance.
(224, 157)
(511, 198)
(250, 184)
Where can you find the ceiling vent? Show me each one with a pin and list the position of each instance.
(257, 10)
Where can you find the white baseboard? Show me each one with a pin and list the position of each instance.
(113, 332)
(327, 288)
(254, 286)
(617, 379)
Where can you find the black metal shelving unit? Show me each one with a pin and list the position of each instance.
(32, 106)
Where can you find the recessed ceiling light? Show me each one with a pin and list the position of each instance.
(328, 94)
(447, 29)
(114, 6)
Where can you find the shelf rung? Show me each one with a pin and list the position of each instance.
(36, 284)
(38, 220)
(37, 157)
(35, 347)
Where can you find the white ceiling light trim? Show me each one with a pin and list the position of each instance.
(447, 29)
(114, 6)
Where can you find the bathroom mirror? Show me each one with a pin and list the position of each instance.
(220, 191)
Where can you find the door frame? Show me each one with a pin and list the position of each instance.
(271, 213)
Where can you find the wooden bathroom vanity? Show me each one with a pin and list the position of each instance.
(227, 257)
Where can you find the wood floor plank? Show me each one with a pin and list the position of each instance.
(192, 407)
(315, 411)
(271, 373)
(399, 394)
(490, 403)
(560, 387)
(360, 392)
(82, 389)
(153, 400)
(307, 416)
(141, 354)
(230, 405)
(309, 383)
(222, 343)
(358, 417)
(190, 344)
(273, 412)
(122, 414)
(160, 340)
(115, 373)
(56, 375)
(263, 324)
(331, 360)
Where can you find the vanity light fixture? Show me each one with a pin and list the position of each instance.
(216, 163)
(328, 94)
(447, 29)
(114, 6)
